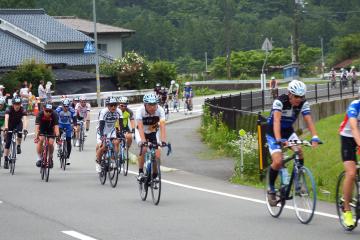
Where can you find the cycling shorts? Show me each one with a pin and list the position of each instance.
(110, 135)
(348, 149)
(275, 146)
(68, 129)
(153, 137)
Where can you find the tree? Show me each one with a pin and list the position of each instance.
(162, 72)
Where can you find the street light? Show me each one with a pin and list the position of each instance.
(96, 58)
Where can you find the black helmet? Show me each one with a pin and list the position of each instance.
(16, 100)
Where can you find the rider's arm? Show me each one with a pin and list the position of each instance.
(101, 127)
(310, 124)
(25, 121)
(276, 124)
(6, 124)
(355, 130)
(37, 130)
(56, 130)
(140, 127)
(162, 126)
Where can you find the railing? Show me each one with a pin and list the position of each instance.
(239, 111)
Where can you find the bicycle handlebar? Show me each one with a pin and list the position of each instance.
(151, 145)
(293, 143)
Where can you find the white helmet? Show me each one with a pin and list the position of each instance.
(66, 102)
(123, 100)
(172, 82)
(2, 100)
(187, 84)
(272, 78)
(2, 87)
(297, 88)
(82, 98)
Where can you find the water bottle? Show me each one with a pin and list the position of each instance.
(284, 176)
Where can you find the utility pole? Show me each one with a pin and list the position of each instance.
(296, 31)
(227, 38)
(322, 57)
(96, 59)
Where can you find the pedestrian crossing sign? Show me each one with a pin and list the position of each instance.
(89, 47)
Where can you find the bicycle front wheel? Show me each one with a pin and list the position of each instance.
(126, 161)
(304, 196)
(276, 205)
(64, 155)
(340, 201)
(113, 174)
(155, 183)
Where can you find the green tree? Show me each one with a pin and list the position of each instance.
(162, 72)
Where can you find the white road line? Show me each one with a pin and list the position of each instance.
(234, 196)
(78, 235)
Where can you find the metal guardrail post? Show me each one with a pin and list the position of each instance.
(328, 91)
(263, 99)
(316, 93)
(353, 89)
(341, 90)
(240, 101)
(251, 101)
(234, 117)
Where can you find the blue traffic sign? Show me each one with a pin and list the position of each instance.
(89, 47)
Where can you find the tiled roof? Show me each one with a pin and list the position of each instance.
(41, 25)
(87, 26)
(70, 75)
(14, 51)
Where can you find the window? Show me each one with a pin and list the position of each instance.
(102, 47)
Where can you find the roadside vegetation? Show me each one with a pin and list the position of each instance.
(324, 161)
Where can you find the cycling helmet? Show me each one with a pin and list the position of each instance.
(273, 78)
(16, 100)
(123, 100)
(162, 88)
(187, 84)
(150, 98)
(2, 87)
(82, 98)
(48, 106)
(158, 84)
(112, 100)
(76, 99)
(66, 102)
(297, 88)
(172, 82)
(2, 100)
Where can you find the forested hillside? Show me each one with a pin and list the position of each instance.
(173, 29)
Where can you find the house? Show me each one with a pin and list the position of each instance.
(32, 34)
(110, 38)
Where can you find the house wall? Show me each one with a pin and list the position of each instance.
(114, 44)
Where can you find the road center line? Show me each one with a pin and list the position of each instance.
(234, 196)
(78, 235)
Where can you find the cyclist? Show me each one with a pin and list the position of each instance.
(67, 120)
(344, 77)
(108, 116)
(273, 85)
(350, 142)
(150, 117)
(157, 89)
(74, 101)
(128, 119)
(46, 122)
(188, 95)
(3, 107)
(352, 75)
(82, 110)
(285, 110)
(15, 118)
(174, 93)
(333, 77)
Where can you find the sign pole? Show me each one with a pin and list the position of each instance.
(96, 59)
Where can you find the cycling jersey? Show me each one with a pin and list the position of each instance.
(2, 115)
(66, 118)
(188, 92)
(109, 120)
(353, 111)
(127, 115)
(289, 113)
(82, 112)
(15, 117)
(174, 88)
(150, 122)
(46, 124)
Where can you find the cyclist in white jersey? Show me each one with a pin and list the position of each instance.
(82, 110)
(108, 117)
(150, 118)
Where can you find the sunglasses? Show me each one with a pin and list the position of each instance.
(299, 97)
(112, 105)
(48, 111)
(121, 105)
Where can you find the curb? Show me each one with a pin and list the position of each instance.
(182, 119)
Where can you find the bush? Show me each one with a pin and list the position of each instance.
(162, 72)
(32, 72)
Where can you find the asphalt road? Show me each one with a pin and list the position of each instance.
(195, 203)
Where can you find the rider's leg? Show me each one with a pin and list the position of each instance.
(350, 176)
(128, 139)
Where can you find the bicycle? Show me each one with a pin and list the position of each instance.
(174, 102)
(81, 136)
(46, 164)
(108, 169)
(188, 107)
(62, 149)
(354, 202)
(123, 155)
(152, 177)
(1, 146)
(300, 187)
(12, 155)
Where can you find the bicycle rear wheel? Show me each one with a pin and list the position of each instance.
(340, 201)
(274, 210)
(81, 139)
(155, 183)
(102, 174)
(304, 196)
(144, 185)
(113, 174)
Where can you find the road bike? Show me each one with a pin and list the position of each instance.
(109, 164)
(152, 173)
(300, 187)
(188, 106)
(81, 136)
(174, 102)
(1, 146)
(12, 155)
(354, 201)
(123, 155)
(46, 160)
(62, 149)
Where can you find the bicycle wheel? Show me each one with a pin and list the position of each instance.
(12, 159)
(113, 173)
(304, 196)
(102, 174)
(42, 172)
(155, 183)
(64, 155)
(144, 185)
(126, 161)
(275, 210)
(340, 201)
(81, 139)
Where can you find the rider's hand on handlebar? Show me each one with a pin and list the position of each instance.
(163, 144)
(25, 132)
(282, 142)
(315, 141)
